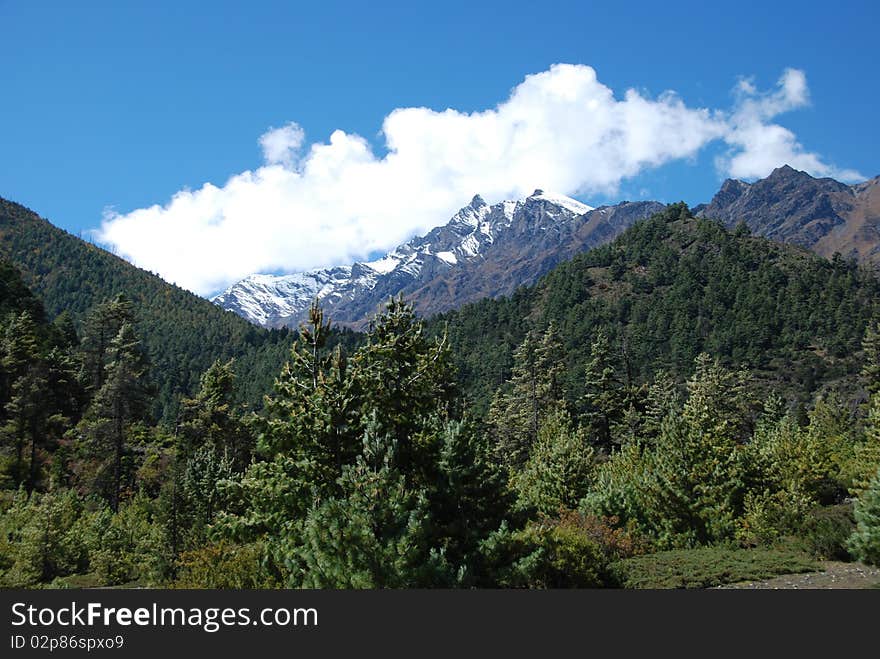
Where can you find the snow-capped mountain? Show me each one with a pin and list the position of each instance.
(482, 251)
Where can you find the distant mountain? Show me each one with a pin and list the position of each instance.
(483, 251)
(791, 206)
(183, 333)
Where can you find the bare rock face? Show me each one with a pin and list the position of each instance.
(791, 206)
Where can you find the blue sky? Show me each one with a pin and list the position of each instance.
(122, 105)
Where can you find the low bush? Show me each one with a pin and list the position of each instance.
(827, 530)
(225, 565)
(571, 550)
(706, 567)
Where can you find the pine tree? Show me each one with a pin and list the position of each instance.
(719, 400)
(200, 488)
(101, 327)
(871, 361)
(468, 500)
(25, 390)
(866, 457)
(663, 399)
(533, 391)
(313, 416)
(121, 400)
(376, 535)
(406, 380)
(212, 419)
(42, 396)
(559, 469)
(865, 541)
(604, 398)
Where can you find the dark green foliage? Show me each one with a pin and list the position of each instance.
(707, 567)
(826, 532)
(687, 286)
(124, 546)
(534, 391)
(365, 468)
(603, 402)
(686, 486)
(40, 394)
(40, 539)
(375, 535)
(121, 400)
(570, 550)
(182, 333)
(559, 469)
(871, 363)
(212, 419)
(865, 541)
(314, 416)
(468, 500)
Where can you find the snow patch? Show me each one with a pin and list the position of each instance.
(567, 203)
(384, 265)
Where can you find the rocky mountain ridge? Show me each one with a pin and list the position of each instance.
(483, 250)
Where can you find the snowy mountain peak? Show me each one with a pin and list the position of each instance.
(567, 203)
(357, 289)
(477, 202)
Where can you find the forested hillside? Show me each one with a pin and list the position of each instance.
(685, 407)
(183, 334)
(670, 288)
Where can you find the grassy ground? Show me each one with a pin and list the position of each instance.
(708, 567)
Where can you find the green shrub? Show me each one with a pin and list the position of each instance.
(559, 557)
(768, 517)
(38, 539)
(225, 565)
(826, 531)
(572, 550)
(706, 567)
(865, 541)
(123, 547)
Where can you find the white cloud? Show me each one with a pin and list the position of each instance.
(758, 147)
(337, 201)
(281, 145)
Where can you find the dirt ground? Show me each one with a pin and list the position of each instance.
(834, 575)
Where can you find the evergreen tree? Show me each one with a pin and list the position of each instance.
(604, 400)
(663, 399)
(405, 379)
(559, 469)
(313, 417)
(212, 419)
(121, 400)
(866, 454)
(25, 385)
(468, 500)
(871, 361)
(533, 391)
(865, 541)
(101, 328)
(201, 495)
(376, 535)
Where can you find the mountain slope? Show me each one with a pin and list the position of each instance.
(791, 206)
(669, 288)
(483, 251)
(183, 333)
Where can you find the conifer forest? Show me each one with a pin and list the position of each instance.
(685, 406)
